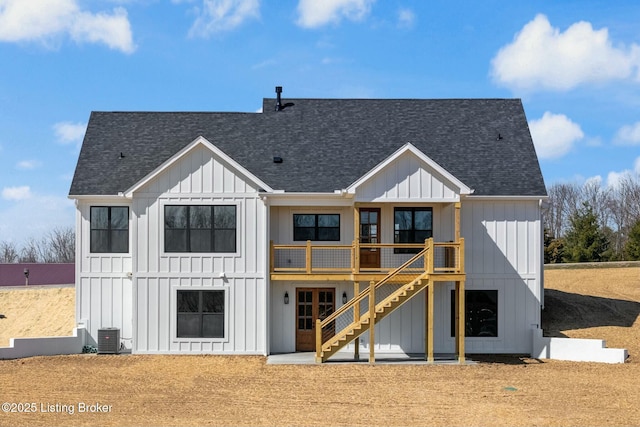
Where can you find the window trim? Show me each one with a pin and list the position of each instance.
(238, 221)
(109, 230)
(174, 313)
(317, 227)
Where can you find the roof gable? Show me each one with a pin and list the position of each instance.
(183, 155)
(408, 174)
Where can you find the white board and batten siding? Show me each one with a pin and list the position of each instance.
(200, 178)
(503, 253)
(407, 179)
(103, 281)
(137, 292)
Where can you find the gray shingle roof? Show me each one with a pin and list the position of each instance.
(326, 144)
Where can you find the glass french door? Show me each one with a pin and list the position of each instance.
(312, 304)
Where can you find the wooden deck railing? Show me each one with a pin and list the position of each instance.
(448, 257)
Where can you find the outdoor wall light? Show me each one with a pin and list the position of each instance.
(344, 297)
(26, 273)
(286, 297)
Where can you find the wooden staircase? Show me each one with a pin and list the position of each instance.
(412, 277)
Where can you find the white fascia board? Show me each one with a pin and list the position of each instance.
(408, 147)
(279, 198)
(503, 198)
(198, 141)
(119, 198)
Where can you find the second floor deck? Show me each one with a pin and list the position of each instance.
(363, 262)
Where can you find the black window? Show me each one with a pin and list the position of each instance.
(481, 307)
(109, 229)
(319, 227)
(412, 225)
(200, 228)
(200, 314)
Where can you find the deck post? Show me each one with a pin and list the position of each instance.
(318, 341)
(272, 256)
(430, 255)
(356, 318)
(308, 257)
(460, 320)
(356, 256)
(457, 220)
(428, 343)
(372, 321)
(356, 239)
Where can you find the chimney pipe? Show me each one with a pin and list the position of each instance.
(278, 98)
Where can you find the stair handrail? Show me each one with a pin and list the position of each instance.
(357, 299)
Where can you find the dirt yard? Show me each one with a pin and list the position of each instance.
(215, 390)
(36, 311)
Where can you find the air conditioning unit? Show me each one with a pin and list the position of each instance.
(109, 341)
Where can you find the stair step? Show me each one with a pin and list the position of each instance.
(355, 330)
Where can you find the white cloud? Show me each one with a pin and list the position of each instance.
(34, 217)
(554, 135)
(28, 164)
(628, 135)
(543, 57)
(68, 133)
(21, 20)
(16, 193)
(223, 15)
(406, 18)
(316, 13)
(613, 178)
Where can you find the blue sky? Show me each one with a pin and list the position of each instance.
(574, 64)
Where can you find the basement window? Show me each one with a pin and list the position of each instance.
(481, 319)
(200, 314)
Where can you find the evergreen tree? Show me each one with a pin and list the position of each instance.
(632, 248)
(553, 248)
(585, 241)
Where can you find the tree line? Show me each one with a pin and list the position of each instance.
(57, 246)
(592, 223)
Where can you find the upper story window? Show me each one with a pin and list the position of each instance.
(200, 228)
(318, 227)
(109, 229)
(412, 225)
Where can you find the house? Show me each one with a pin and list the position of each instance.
(281, 231)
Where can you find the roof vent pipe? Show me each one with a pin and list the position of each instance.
(278, 98)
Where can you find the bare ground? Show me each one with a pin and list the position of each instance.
(219, 390)
(36, 311)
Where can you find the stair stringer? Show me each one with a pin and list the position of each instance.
(382, 310)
